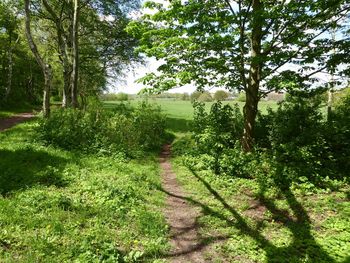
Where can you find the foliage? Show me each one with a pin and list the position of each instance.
(114, 97)
(294, 143)
(61, 206)
(205, 97)
(221, 95)
(195, 95)
(20, 77)
(217, 130)
(127, 130)
(242, 45)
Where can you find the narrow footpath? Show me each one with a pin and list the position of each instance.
(180, 216)
(9, 122)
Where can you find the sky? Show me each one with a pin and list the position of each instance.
(128, 83)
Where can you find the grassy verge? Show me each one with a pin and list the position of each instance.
(58, 206)
(242, 223)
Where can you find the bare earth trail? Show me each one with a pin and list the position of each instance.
(181, 217)
(9, 122)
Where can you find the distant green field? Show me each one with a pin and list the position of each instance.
(178, 109)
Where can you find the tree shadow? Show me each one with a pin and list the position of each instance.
(178, 125)
(23, 168)
(303, 247)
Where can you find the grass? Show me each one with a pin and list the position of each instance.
(267, 226)
(60, 206)
(179, 109)
(180, 113)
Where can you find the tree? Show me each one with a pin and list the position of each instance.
(221, 95)
(195, 95)
(45, 66)
(244, 45)
(205, 97)
(75, 51)
(91, 42)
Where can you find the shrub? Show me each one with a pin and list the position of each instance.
(205, 97)
(221, 95)
(217, 130)
(115, 97)
(128, 130)
(195, 95)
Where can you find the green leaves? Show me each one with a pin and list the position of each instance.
(211, 42)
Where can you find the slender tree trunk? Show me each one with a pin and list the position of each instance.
(45, 67)
(75, 72)
(10, 69)
(330, 104)
(47, 90)
(252, 91)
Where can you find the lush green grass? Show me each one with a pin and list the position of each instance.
(180, 113)
(245, 223)
(178, 109)
(59, 206)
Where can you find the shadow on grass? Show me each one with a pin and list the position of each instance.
(303, 247)
(178, 125)
(26, 167)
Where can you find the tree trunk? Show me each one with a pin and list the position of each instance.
(45, 67)
(330, 104)
(75, 38)
(252, 91)
(10, 69)
(64, 50)
(47, 91)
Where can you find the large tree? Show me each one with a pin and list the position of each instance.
(90, 39)
(44, 64)
(251, 45)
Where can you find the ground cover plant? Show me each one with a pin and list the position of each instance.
(59, 206)
(126, 129)
(286, 202)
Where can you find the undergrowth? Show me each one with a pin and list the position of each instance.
(60, 206)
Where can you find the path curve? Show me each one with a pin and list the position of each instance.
(9, 122)
(180, 216)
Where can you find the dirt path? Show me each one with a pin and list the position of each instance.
(13, 120)
(180, 216)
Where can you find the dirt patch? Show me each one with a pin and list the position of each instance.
(187, 245)
(12, 121)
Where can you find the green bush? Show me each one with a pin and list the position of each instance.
(294, 145)
(217, 130)
(205, 97)
(221, 95)
(128, 130)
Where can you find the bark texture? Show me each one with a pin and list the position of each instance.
(45, 67)
(75, 38)
(252, 91)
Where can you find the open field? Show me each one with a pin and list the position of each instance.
(180, 113)
(180, 109)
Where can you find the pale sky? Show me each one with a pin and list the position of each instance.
(128, 83)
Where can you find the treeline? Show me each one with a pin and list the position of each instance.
(62, 49)
(21, 79)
